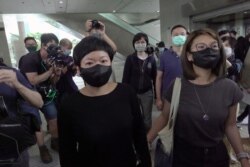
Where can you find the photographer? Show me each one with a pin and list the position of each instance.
(97, 28)
(66, 85)
(42, 72)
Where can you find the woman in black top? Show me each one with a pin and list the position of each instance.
(101, 125)
(140, 73)
(207, 107)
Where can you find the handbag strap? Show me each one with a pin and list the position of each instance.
(174, 103)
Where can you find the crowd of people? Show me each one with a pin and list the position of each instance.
(109, 124)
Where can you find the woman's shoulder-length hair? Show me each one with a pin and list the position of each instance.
(188, 71)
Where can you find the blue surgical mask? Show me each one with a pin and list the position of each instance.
(67, 52)
(140, 47)
(179, 40)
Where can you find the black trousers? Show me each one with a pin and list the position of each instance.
(186, 155)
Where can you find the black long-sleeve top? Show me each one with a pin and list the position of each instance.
(140, 74)
(102, 131)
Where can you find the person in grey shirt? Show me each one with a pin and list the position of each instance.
(207, 107)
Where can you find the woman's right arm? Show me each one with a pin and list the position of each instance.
(159, 123)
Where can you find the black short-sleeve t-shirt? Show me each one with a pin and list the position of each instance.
(32, 62)
(213, 99)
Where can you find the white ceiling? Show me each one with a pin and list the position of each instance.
(134, 12)
(78, 6)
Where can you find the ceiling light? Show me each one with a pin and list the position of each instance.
(158, 11)
(245, 12)
(114, 11)
(61, 2)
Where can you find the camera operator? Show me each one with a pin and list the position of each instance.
(97, 28)
(43, 74)
(66, 85)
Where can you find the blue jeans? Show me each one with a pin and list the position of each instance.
(49, 110)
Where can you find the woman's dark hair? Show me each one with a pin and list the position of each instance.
(223, 32)
(188, 71)
(241, 48)
(138, 36)
(233, 32)
(161, 44)
(90, 44)
(48, 37)
(232, 41)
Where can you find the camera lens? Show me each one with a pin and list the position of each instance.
(96, 24)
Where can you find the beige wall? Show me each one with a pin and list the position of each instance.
(171, 14)
(121, 37)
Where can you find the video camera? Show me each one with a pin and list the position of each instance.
(96, 24)
(56, 57)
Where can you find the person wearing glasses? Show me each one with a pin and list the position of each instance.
(207, 106)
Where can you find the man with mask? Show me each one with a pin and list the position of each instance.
(66, 84)
(66, 46)
(170, 65)
(30, 44)
(43, 74)
(161, 47)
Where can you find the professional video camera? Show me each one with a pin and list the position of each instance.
(56, 57)
(96, 24)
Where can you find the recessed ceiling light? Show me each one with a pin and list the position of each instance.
(61, 2)
(114, 11)
(158, 11)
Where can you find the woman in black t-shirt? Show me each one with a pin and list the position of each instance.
(207, 107)
(101, 125)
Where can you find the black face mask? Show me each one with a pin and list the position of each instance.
(207, 58)
(97, 75)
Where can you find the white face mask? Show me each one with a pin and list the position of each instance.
(140, 47)
(161, 49)
(228, 51)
